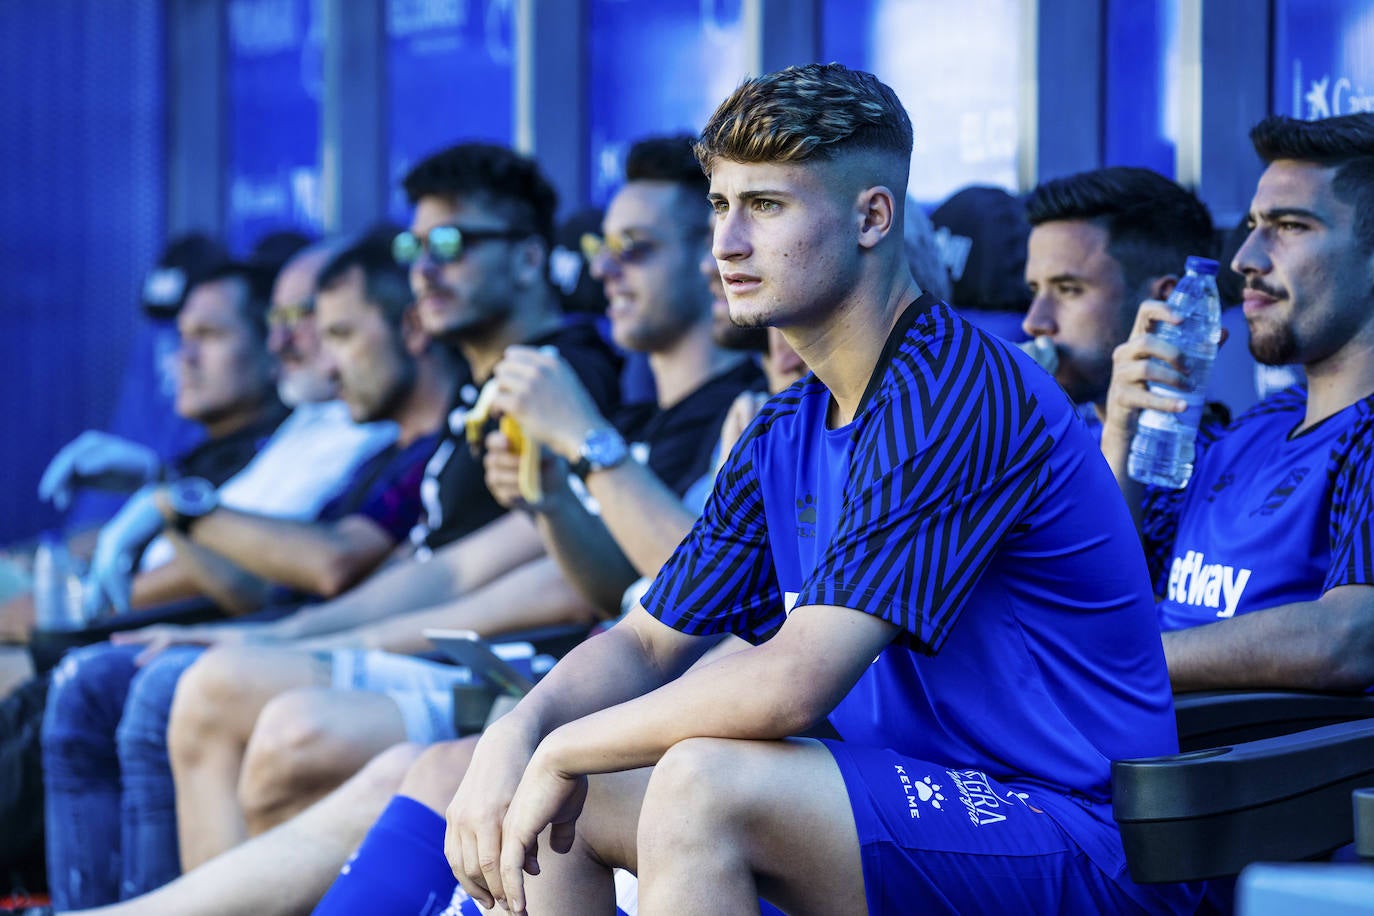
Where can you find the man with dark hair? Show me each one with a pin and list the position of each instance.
(659, 305)
(105, 725)
(1292, 478)
(477, 257)
(656, 235)
(1101, 242)
(224, 384)
(903, 536)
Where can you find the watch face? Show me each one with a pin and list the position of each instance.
(604, 448)
(193, 496)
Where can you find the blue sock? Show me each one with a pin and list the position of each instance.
(399, 870)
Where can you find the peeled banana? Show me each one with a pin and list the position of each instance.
(531, 491)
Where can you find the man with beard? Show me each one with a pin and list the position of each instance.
(661, 303)
(314, 455)
(324, 691)
(111, 824)
(1267, 554)
(1100, 242)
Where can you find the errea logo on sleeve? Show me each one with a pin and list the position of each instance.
(1195, 582)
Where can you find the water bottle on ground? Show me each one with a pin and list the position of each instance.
(1163, 448)
(57, 591)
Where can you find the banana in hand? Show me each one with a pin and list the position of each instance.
(531, 491)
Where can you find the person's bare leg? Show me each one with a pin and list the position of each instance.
(17, 618)
(582, 879)
(215, 709)
(724, 822)
(306, 743)
(288, 869)
(434, 777)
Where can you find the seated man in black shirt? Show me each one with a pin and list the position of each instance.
(660, 304)
(477, 254)
(388, 368)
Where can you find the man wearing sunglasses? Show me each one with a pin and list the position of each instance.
(476, 253)
(660, 304)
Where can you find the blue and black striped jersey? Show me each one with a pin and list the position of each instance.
(968, 504)
(1270, 517)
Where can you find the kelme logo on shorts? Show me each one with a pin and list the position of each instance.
(920, 793)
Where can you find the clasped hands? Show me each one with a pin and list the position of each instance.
(513, 790)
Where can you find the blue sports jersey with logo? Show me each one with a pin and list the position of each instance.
(968, 505)
(1270, 517)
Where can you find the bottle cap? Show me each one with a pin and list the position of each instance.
(1196, 265)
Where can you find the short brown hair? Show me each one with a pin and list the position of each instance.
(806, 113)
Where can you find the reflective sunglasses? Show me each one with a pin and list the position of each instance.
(619, 248)
(445, 243)
(288, 316)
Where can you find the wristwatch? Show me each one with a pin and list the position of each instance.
(191, 498)
(603, 449)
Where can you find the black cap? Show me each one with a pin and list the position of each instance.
(982, 234)
(185, 261)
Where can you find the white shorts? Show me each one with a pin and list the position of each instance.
(422, 689)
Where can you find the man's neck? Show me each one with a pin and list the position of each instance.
(843, 349)
(1338, 381)
(484, 351)
(239, 420)
(689, 363)
(425, 408)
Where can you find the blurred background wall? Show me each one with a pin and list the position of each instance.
(123, 121)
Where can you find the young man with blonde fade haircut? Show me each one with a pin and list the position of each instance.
(923, 545)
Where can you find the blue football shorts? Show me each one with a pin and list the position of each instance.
(938, 840)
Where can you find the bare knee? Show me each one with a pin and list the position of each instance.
(385, 774)
(435, 775)
(209, 707)
(288, 757)
(696, 795)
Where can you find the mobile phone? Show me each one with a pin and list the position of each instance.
(467, 648)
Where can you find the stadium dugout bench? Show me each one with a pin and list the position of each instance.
(1279, 791)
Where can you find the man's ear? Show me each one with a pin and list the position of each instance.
(1160, 287)
(530, 261)
(877, 212)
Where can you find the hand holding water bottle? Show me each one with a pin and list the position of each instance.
(1159, 379)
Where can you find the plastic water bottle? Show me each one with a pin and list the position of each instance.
(1163, 448)
(56, 587)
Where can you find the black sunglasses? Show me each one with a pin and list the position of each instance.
(445, 243)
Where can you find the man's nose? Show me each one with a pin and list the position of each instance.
(1039, 320)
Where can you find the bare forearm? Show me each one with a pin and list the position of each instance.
(1116, 448)
(1316, 645)
(397, 589)
(608, 669)
(535, 595)
(321, 559)
(454, 571)
(646, 518)
(172, 581)
(228, 586)
(748, 694)
(585, 551)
